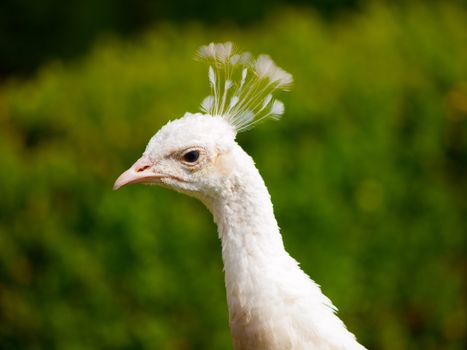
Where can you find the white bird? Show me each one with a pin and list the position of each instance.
(273, 304)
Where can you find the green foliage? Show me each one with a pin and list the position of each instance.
(367, 170)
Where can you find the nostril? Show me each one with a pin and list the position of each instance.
(142, 168)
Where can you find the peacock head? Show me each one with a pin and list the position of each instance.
(187, 154)
(197, 153)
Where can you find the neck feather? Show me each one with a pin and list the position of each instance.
(245, 217)
(272, 303)
(255, 261)
(243, 212)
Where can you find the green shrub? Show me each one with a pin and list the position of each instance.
(367, 170)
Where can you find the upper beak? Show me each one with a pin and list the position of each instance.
(141, 171)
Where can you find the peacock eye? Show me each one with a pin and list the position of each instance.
(191, 156)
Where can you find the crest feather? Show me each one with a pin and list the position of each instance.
(242, 87)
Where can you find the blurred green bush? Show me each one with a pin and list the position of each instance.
(367, 170)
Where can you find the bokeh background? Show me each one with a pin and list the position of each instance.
(367, 169)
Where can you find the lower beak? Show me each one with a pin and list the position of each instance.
(140, 172)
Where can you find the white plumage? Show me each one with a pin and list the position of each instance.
(273, 304)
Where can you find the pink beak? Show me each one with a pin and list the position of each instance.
(140, 172)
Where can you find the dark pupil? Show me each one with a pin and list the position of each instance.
(191, 156)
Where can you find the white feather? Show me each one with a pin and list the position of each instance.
(235, 59)
(207, 104)
(233, 102)
(244, 74)
(266, 68)
(277, 109)
(212, 76)
(255, 80)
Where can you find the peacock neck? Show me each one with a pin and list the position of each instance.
(252, 247)
(272, 304)
(245, 218)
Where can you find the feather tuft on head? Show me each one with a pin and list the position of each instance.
(242, 87)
